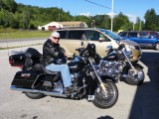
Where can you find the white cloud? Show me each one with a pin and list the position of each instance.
(131, 17)
(111, 14)
(86, 14)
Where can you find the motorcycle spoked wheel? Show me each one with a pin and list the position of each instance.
(108, 101)
(135, 79)
(34, 95)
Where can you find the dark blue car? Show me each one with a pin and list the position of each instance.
(146, 39)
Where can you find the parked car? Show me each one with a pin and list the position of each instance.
(147, 39)
(71, 39)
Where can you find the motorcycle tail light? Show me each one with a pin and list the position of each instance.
(11, 62)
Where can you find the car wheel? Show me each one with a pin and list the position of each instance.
(157, 46)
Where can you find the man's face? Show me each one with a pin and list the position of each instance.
(55, 40)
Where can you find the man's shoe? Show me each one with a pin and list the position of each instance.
(69, 89)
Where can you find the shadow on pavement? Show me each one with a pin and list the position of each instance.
(105, 117)
(146, 100)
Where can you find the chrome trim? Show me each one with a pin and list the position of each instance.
(58, 94)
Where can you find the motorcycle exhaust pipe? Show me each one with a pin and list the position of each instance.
(56, 94)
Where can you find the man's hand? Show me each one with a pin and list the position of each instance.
(65, 54)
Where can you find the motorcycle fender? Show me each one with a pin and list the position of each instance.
(111, 80)
(137, 65)
(24, 79)
(125, 70)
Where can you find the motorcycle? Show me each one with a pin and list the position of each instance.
(117, 65)
(35, 81)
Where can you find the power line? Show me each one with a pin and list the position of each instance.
(112, 10)
(98, 4)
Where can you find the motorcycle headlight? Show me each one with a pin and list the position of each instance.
(128, 50)
(133, 48)
(129, 47)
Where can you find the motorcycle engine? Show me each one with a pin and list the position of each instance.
(109, 68)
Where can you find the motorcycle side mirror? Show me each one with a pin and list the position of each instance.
(102, 40)
(82, 43)
(83, 38)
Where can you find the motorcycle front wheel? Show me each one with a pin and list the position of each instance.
(135, 79)
(34, 95)
(106, 101)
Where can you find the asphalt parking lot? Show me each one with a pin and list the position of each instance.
(134, 102)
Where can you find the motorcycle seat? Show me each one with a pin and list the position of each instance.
(41, 68)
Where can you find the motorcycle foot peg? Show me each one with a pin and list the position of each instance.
(90, 97)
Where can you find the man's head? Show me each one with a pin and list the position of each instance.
(55, 37)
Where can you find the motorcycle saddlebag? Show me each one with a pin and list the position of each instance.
(24, 79)
(17, 60)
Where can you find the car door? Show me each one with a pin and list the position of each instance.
(147, 39)
(99, 39)
(72, 41)
(134, 36)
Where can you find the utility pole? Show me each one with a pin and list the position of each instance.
(112, 15)
(59, 11)
(140, 26)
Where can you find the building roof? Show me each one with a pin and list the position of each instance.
(73, 24)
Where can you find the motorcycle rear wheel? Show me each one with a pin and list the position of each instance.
(108, 101)
(34, 95)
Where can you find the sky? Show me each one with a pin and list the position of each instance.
(131, 8)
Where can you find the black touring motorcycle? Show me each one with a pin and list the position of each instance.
(117, 65)
(36, 81)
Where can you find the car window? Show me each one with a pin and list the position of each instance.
(75, 34)
(123, 34)
(111, 34)
(94, 35)
(62, 34)
(144, 35)
(133, 34)
(103, 37)
(154, 34)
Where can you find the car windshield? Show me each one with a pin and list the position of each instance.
(111, 34)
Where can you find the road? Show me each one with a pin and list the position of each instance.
(11, 43)
(134, 102)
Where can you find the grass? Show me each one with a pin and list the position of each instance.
(16, 34)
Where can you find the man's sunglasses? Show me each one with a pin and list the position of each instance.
(56, 38)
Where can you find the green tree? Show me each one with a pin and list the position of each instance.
(83, 18)
(150, 20)
(1, 18)
(127, 26)
(121, 21)
(139, 24)
(9, 5)
(102, 21)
